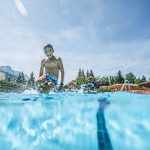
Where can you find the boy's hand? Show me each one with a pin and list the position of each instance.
(60, 87)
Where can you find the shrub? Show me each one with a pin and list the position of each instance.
(140, 88)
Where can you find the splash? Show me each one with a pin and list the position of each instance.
(81, 90)
(21, 7)
(32, 91)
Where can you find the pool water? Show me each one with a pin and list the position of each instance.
(74, 121)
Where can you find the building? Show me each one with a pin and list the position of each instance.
(117, 87)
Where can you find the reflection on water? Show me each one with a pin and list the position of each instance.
(103, 136)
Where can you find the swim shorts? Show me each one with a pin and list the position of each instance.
(50, 78)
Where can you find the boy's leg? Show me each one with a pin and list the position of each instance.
(40, 82)
(46, 89)
(42, 86)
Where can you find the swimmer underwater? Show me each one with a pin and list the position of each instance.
(52, 64)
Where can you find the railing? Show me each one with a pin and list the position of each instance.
(126, 82)
(87, 86)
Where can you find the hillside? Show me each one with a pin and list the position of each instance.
(10, 73)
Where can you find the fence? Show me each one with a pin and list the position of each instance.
(140, 91)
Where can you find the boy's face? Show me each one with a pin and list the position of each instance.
(49, 52)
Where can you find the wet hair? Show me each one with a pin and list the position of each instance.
(48, 45)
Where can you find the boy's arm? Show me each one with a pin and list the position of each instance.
(61, 68)
(41, 68)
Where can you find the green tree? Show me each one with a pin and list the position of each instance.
(11, 86)
(111, 80)
(143, 78)
(90, 79)
(31, 81)
(119, 78)
(79, 73)
(18, 80)
(22, 78)
(138, 80)
(80, 80)
(91, 73)
(87, 73)
(82, 73)
(9, 80)
(97, 82)
(104, 81)
(130, 77)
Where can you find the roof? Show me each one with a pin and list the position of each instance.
(147, 84)
(115, 85)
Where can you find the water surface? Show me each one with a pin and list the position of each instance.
(69, 121)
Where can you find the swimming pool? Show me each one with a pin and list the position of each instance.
(72, 121)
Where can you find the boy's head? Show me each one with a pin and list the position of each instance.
(48, 50)
(48, 45)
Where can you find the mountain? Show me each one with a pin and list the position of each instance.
(10, 73)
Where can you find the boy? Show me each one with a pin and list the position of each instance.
(52, 65)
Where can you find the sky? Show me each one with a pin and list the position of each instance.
(103, 35)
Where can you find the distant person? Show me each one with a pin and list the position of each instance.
(116, 89)
(52, 64)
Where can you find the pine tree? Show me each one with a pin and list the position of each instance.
(130, 77)
(138, 80)
(31, 80)
(104, 81)
(119, 77)
(91, 73)
(79, 73)
(143, 78)
(22, 78)
(82, 73)
(111, 80)
(18, 80)
(87, 73)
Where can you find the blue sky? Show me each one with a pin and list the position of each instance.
(103, 35)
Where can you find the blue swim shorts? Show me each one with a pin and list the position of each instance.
(50, 78)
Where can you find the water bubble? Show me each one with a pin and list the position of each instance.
(21, 7)
(2, 76)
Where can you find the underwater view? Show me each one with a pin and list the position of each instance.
(61, 121)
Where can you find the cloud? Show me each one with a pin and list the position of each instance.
(69, 36)
(125, 56)
(21, 49)
(25, 53)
